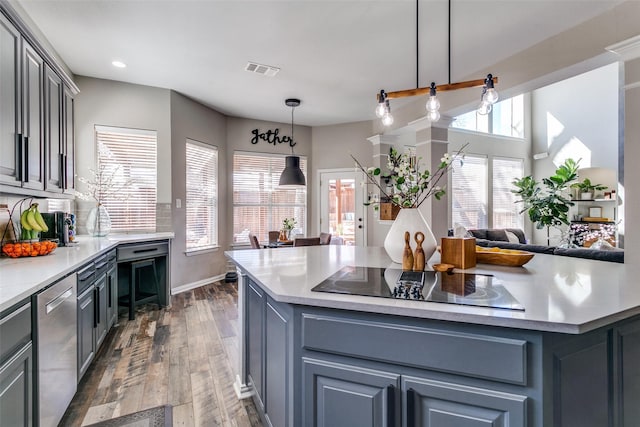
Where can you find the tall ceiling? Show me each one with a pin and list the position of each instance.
(333, 55)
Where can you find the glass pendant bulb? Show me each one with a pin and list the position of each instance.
(387, 119)
(381, 109)
(484, 108)
(491, 96)
(433, 116)
(433, 104)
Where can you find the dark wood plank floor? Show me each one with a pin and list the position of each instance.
(183, 356)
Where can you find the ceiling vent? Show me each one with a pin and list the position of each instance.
(266, 70)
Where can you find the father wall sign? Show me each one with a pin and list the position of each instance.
(272, 137)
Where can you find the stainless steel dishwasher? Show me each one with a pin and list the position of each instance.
(57, 350)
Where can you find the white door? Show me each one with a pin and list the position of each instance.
(342, 212)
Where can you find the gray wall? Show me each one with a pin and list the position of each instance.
(192, 120)
(110, 103)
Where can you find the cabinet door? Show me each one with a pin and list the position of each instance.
(340, 395)
(102, 300)
(86, 322)
(431, 403)
(54, 150)
(11, 145)
(68, 139)
(276, 344)
(32, 118)
(112, 295)
(255, 327)
(16, 379)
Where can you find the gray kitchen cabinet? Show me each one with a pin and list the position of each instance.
(11, 144)
(101, 300)
(16, 366)
(68, 142)
(430, 403)
(54, 149)
(32, 118)
(342, 395)
(86, 319)
(269, 355)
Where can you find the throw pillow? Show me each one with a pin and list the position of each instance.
(512, 237)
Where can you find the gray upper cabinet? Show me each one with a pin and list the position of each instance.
(10, 139)
(54, 149)
(37, 116)
(32, 118)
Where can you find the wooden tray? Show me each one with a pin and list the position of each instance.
(513, 258)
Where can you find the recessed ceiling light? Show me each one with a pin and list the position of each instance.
(118, 64)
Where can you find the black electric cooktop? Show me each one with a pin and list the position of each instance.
(452, 288)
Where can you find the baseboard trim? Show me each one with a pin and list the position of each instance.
(189, 286)
(243, 391)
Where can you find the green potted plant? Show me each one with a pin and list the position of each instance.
(549, 206)
(587, 189)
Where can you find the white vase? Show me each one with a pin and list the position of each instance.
(410, 220)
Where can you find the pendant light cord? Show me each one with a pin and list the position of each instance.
(449, 47)
(417, 46)
(292, 108)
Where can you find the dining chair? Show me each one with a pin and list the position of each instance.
(325, 238)
(255, 244)
(273, 236)
(306, 241)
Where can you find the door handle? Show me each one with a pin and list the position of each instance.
(60, 170)
(26, 159)
(360, 226)
(55, 303)
(391, 405)
(411, 407)
(96, 307)
(18, 156)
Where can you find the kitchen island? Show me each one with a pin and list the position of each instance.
(326, 359)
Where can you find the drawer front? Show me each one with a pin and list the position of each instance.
(86, 276)
(100, 263)
(15, 331)
(474, 355)
(147, 250)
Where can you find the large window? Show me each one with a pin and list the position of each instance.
(202, 196)
(259, 205)
(127, 160)
(469, 193)
(505, 209)
(506, 119)
(475, 203)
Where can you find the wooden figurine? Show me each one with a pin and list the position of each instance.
(418, 258)
(407, 255)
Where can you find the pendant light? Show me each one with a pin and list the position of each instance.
(292, 175)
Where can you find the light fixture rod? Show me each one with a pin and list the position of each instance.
(449, 47)
(417, 45)
(440, 88)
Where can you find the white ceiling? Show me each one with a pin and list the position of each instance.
(334, 55)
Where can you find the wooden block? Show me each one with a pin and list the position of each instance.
(460, 252)
(388, 211)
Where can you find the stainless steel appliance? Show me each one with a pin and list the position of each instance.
(57, 350)
(431, 286)
(58, 223)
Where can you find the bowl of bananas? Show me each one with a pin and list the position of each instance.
(27, 242)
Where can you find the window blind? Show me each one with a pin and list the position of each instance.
(259, 205)
(469, 193)
(505, 209)
(202, 196)
(127, 159)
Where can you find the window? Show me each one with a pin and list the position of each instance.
(469, 193)
(506, 119)
(258, 204)
(202, 196)
(127, 159)
(505, 209)
(473, 199)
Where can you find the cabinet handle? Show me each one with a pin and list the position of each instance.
(26, 159)
(18, 155)
(64, 173)
(140, 251)
(96, 307)
(391, 405)
(109, 286)
(411, 407)
(60, 170)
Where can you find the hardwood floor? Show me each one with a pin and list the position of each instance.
(182, 356)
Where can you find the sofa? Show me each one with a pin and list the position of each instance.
(514, 238)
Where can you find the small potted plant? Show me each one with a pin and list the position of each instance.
(287, 225)
(587, 189)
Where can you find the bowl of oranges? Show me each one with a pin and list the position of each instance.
(24, 249)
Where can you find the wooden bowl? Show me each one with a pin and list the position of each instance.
(509, 257)
(443, 267)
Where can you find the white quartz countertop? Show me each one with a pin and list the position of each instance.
(21, 277)
(560, 294)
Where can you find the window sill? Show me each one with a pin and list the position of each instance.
(202, 251)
